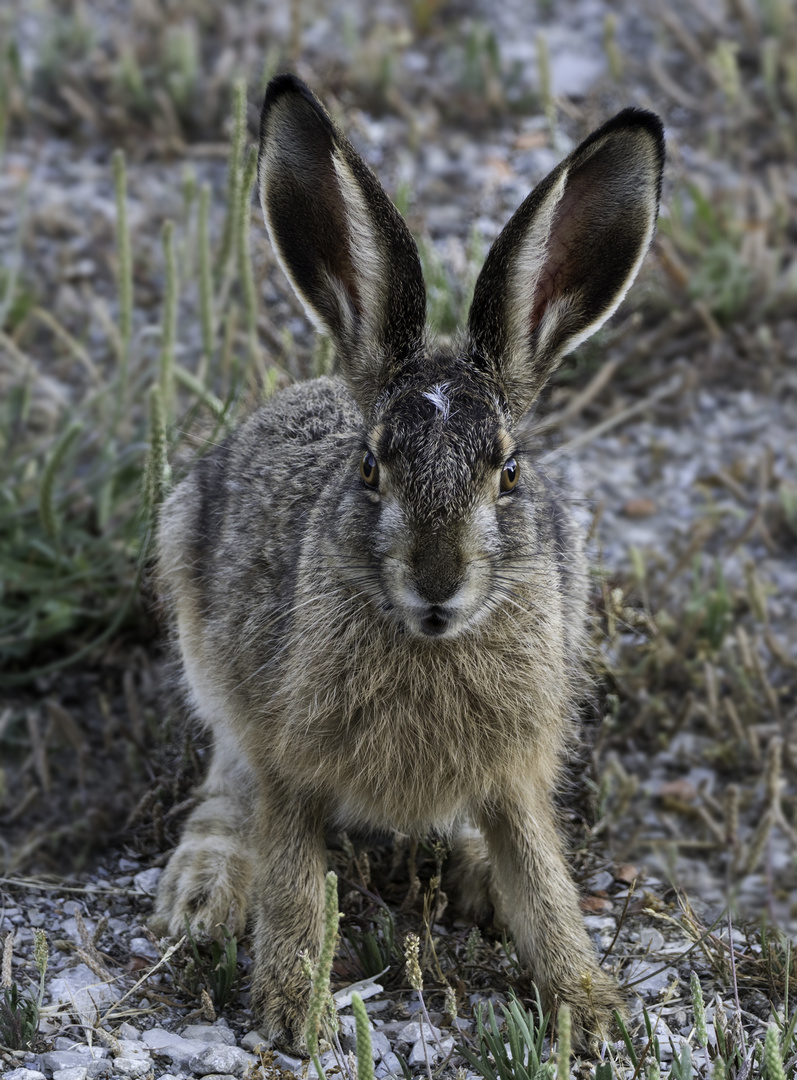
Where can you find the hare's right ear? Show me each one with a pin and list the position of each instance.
(567, 256)
(344, 246)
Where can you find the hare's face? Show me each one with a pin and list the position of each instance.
(442, 502)
(438, 515)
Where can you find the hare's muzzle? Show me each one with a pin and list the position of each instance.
(436, 622)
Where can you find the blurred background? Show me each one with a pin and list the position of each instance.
(142, 312)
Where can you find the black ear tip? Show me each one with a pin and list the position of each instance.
(642, 118)
(287, 83)
(290, 87)
(637, 118)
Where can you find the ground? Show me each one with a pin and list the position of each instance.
(672, 433)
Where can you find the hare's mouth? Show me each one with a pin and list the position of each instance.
(435, 622)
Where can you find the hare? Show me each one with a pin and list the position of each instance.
(379, 601)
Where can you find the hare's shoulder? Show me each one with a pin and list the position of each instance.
(248, 497)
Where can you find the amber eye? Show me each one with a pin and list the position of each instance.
(509, 475)
(369, 469)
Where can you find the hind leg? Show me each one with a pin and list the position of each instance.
(468, 874)
(208, 878)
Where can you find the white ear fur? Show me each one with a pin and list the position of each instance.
(523, 280)
(368, 254)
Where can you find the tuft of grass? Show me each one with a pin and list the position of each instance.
(320, 997)
(375, 946)
(511, 1048)
(216, 965)
(20, 1012)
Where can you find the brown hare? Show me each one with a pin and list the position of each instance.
(379, 601)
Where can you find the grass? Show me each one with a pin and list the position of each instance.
(74, 531)
(215, 966)
(20, 1011)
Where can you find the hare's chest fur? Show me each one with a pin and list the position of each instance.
(404, 734)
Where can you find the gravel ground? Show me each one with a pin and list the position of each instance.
(688, 448)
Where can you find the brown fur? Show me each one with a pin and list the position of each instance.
(402, 655)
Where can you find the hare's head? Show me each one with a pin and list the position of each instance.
(439, 520)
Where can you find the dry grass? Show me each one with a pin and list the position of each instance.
(691, 663)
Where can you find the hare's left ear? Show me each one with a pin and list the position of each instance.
(567, 257)
(343, 244)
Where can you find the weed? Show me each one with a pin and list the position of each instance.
(321, 1005)
(219, 969)
(515, 1053)
(710, 606)
(75, 533)
(374, 946)
(19, 1013)
(365, 1054)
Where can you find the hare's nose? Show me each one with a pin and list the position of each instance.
(437, 584)
(437, 569)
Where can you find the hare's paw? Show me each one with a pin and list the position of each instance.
(207, 881)
(280, 999)
(593, 999)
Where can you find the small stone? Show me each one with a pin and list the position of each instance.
(77, 1072)
(147, 880)
(69, 926)
(367, 988)
(132, 1048)
(221, 1059)
(127, 1031)
(600, 882)
(595, 904)
(678, 790)
(434, 1051)
(286, 1062)
(639, 508)
(388, 1066)
(167, 1044)
(133, 1066)
(626, 874)
(252, 1040)
(210, 1033)
(648, 979)
(24, 1074)
(328, 1063)
(78, 990)
(60, 1060)
(141, 946)
(380, 1044)
(651, 939)
(402, 1031)
(103, 1067)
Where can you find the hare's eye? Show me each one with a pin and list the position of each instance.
(369, 469)
(509, 475)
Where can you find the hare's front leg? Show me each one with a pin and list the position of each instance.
(208, 877)
(288, 907)
(536, 898)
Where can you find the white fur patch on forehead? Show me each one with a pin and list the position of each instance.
(438, 396)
